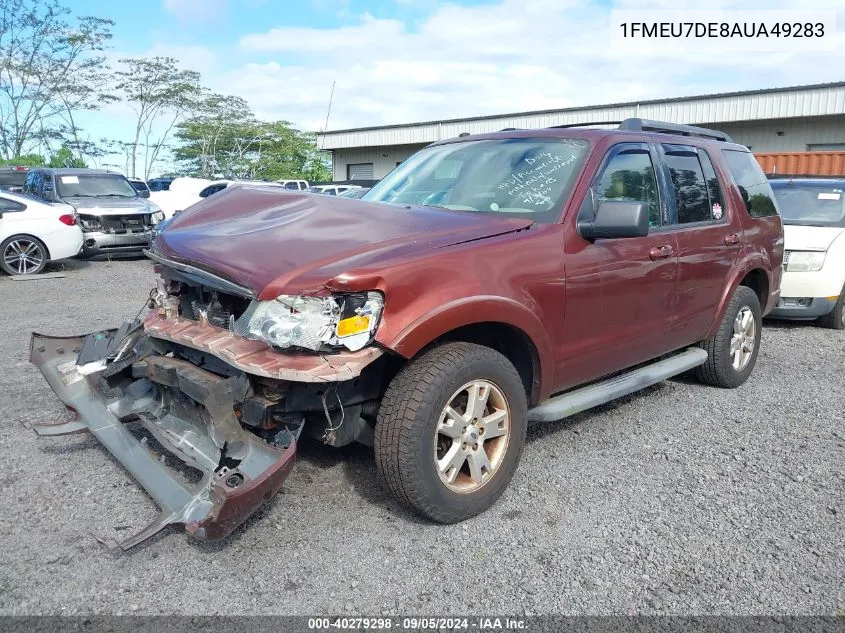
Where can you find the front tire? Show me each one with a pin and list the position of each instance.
(732, 353)
(835, 320)
(450, 431)
(23, 255)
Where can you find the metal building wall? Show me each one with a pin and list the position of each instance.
(384, 159)
(761, 136)
(797, 134)
(806, 101)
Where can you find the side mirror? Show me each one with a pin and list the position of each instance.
(617, 219)
(144, 193)
(48, 195)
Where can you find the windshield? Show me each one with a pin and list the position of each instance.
(811, 204)
(94, 186)
(510, 176)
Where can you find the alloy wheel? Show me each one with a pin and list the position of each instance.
(23, 256)
(743, 338)
(472, 436)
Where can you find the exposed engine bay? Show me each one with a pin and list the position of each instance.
(228, 406)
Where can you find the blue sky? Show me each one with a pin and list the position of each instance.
(397, 61)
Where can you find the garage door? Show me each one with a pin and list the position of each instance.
(359, 171)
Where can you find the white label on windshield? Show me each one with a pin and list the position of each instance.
(830, 196)
(73, 180)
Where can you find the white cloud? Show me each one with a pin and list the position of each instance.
(514, 55)
(507, 56)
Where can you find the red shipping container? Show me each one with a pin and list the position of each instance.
(802, 163)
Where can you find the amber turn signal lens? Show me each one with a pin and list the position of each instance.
(353, 325)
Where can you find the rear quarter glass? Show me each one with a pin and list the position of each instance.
(754, 187)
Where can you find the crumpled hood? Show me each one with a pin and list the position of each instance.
(273, 241)
(110, 206)
(809, 238)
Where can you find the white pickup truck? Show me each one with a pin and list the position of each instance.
(813, 214)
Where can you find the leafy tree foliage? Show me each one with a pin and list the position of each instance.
(64, 157)
(160, 94)
(223, 139)
(50, 67)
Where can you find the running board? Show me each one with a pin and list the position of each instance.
(579, 400)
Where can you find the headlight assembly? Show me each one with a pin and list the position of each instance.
(348, 320)
(805, 261)
(157, 216)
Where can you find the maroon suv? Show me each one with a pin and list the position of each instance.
(487, 282)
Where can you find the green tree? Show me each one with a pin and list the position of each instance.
(160, 95)
(50, 68)
(212, 136)
(64, 157)
(224, 140)
(29, 160)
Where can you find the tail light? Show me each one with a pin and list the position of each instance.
(67, 219)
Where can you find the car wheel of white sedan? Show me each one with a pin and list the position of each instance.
(23, 255)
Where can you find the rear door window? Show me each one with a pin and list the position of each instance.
(212, 189)
(32, 185)
(629, 175)
(7, 205)
(752, 183)
(698, 197)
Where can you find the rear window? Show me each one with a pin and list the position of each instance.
(752, 183)
(811, 204)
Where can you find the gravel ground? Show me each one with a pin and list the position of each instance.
(682, 499)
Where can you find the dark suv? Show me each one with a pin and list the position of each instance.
(489, 281)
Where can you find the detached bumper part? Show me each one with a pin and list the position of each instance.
(188, 410)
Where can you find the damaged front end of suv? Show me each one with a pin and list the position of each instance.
(201, 371)
(275, 315)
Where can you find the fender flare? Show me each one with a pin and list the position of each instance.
(755, 262)
(429, 326)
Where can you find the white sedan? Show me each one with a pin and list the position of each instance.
(33, 232)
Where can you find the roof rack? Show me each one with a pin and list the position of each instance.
(646, 125)
(588, 123)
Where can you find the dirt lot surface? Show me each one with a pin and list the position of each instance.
(682, 499)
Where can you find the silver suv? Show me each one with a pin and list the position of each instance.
(114, 217)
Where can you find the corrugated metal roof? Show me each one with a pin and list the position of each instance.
(772, 103)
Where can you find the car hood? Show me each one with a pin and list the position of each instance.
(110, 206)
(809, 238)
(273, 241)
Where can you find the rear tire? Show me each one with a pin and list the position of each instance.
(732, 352)
(835, 320)
(23, 255)
(437, 453)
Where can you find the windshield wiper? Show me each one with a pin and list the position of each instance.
(112, 195)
